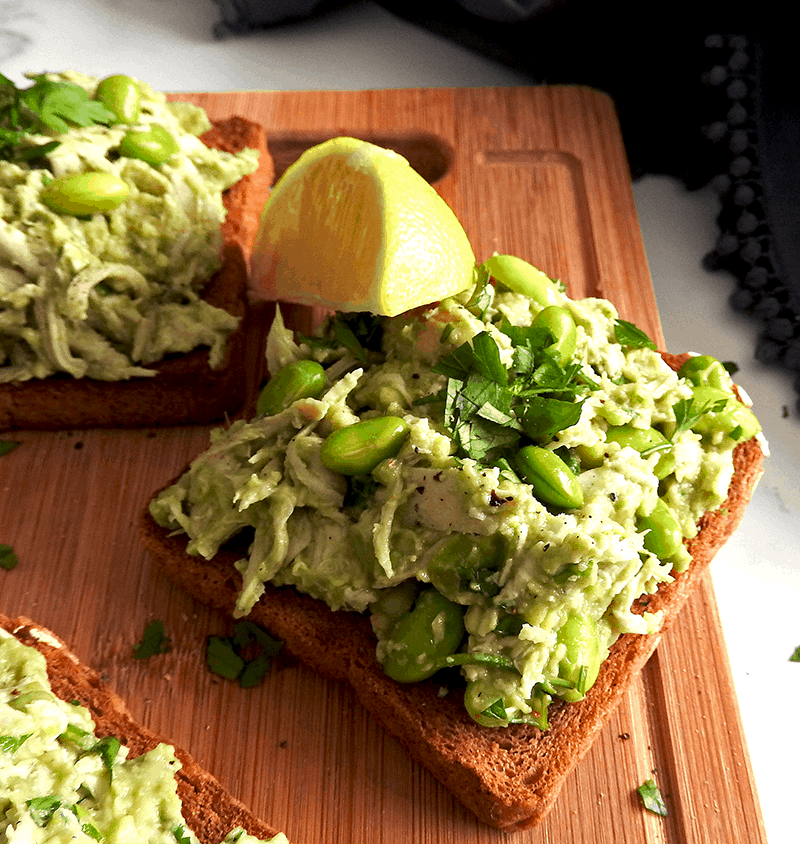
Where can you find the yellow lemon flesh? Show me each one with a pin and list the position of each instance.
(351, 226)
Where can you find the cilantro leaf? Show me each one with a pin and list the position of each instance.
(7, 446)
(630, 335)
(651, 798)
(688, 412)
(10, 744)
(795, 657)
(42, 809)
(8, 559)
(246, 655)
(154, 641)
(181, 835)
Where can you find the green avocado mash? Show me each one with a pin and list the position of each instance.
(103, 294)
(536, 475)
(58, 782)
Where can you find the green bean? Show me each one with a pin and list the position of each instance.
(418, 642)
(642, 440)
(704, 369)
(153, 144)
(300, 379)
(562, 326)
(120, 95)
(357, 449)
(552, 481)
(521, 277)
(663, 537)
(580, 665)
(82, 194)
(732, 418)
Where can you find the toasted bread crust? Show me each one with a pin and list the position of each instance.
(509, 784)
(209, 810)
(186, 389)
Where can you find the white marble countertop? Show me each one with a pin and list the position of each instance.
(757, 575)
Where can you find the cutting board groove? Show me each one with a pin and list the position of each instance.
(539, 172)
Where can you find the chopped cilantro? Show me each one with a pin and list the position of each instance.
(7, 446)
(8, 559)
(651, 798)
(154, 641)
(181, 834)
(630, 335)
(795, 657)
(42, 809)
(10, 744)
(688, 412)
(246, 655)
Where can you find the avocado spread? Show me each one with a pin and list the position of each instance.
(497, 480)
(110, 227)
(59, 782)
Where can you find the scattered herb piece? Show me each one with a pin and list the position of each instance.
(630, 335)
(246, 655)
(651, 798)
(688, 412)
(46, 106)
(107, 749)
(795, 657)
(8, 559)
(181, 835)
(154, 641)
(10, 744)
(7, 446)
(91, 831)
(42, 809)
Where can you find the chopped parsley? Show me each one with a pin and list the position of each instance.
(154, 641)
(45, 106)
(651, 798)
(246, 655)
(8, 559)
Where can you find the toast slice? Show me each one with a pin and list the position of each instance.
(509, 783)
(208, 809)
(186, 390)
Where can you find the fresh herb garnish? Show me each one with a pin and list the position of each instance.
(7, 446)
(10, 744)
(795, 657)
(42, 809)
(489, 408)
(154, 641)
(107, 749)
(651, 798)
(688, 412)
(630, 335)
(245, 656)
(181, 835)
(8, 559)
(46, 106)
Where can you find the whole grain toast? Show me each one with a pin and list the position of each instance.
(186, 390)
(509, 777)
(208, 809)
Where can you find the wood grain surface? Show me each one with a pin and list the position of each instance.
(539, 172)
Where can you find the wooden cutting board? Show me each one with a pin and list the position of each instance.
(538, 172)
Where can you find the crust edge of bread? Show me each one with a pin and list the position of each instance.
(509, 785)
(186, 390)
(208, 808)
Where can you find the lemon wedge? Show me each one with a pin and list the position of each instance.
(351, 226)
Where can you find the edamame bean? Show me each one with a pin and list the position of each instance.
(731, 418)
(464, 561)
(120, 95)
(82, 194)
(663, 537)
(431, 631)
(580, 664)
(704, 369)
(522, 277)
(644, 439)
(357, 449)
(562, 326)
(153, 145)
(552, 481)
(301, 379)
(591, 456)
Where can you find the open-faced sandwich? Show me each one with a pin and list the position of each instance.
(125, 232)
(74, 765)
(482, 514)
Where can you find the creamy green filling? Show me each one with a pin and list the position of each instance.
(523, 572)
(59, 783)
(104, 295)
